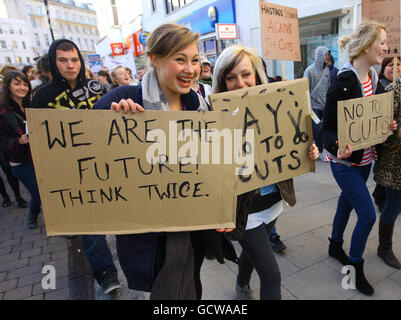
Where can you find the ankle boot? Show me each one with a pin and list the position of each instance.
(385, 250)
(32, 220)
(360, 281)
(336, 251)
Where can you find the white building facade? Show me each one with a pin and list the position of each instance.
(321, 22)
(32, 37)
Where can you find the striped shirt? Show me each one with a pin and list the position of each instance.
(369, 153)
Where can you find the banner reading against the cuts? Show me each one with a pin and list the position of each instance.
(364, 122)
(279, 115)
(103, 172)
(280, 32)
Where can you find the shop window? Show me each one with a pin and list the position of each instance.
(3, 44)
(153, 5)
(172, 5)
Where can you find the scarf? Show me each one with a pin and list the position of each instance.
(175, 280)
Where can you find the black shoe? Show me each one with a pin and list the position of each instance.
(109, 281)
(360, 281)
(6, 202)
(21, 202)
(32, 220)
(336, 251)
(277, 245)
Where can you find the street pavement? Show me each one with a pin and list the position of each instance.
(307, 272)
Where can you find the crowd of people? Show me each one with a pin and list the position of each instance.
(180, 79)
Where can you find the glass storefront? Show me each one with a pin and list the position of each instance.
(322, 30)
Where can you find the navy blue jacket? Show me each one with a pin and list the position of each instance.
(141, 256)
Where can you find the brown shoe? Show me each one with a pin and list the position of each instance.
(385, 250)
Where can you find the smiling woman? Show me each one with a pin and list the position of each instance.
(166, 264)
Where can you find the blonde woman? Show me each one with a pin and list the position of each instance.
(357, 78)
(239, 67)
(167, 264)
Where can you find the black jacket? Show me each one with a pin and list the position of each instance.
(59, 95)
(344, 87)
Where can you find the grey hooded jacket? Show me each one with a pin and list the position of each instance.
(318, 75)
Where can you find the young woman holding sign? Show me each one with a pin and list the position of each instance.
(238, 67)
(167, 264)
(357, 78)
(14, 141)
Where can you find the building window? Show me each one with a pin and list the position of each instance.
(29, 9)
(86, 44)
(90, 31)
(74, 18)
(47, 42)
(84, 30)
(18, 59)
(66, 16)
(37, 40)
(15, 44)
(11, 31)
(23, 45)
(33, 22)
(69, 28)
(8, 60)
(88, 21)
(58, 15)
(93, 45)
(3, 44)
(28, 59)
(81, 19)
(1, 31)
(77, 29)
(39, 10)
(153, 5)
(172, 5)
(61, 27)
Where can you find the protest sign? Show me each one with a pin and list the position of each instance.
(279, 115)
(280, 32)
(386, 12)
(364, 122)
(103, 172)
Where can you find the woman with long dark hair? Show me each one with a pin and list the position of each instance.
(14, 141)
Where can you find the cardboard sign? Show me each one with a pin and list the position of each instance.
(279, 115)
(95, 176)
(280, 32)
(386, 12)
(364, 122)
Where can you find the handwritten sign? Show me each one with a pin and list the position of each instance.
(279, 115)
(101, 172)
(386, 12)
(280, 32)
(364, 122)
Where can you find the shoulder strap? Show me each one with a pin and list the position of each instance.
(202, 90)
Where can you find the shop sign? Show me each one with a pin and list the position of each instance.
(226, 31)
(117, 49)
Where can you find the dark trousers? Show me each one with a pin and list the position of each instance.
(26, 174)
(98, 254)
(354, 195)
(257, 253)
(12, 180)
(317, 129)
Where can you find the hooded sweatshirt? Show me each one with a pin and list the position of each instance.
(59, 95)
(318, 75)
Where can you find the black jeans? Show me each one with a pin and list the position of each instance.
(317, 129)
(257, 253)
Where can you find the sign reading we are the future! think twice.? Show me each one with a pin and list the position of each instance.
(102, 172)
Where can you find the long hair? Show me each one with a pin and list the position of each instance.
(227, 61)
(362, 38)
(384, 64)
(5, 96)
